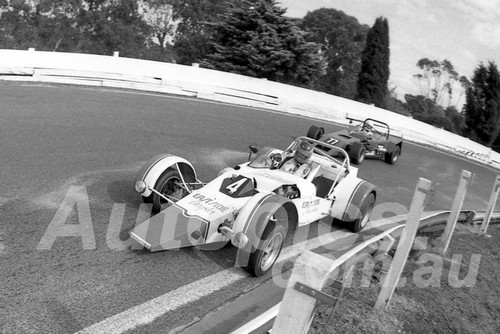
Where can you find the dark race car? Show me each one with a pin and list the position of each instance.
(368, 138)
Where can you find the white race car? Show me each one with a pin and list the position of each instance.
(253, 205)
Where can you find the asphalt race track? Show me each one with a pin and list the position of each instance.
(60, 142)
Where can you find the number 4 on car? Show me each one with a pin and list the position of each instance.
(253, 205)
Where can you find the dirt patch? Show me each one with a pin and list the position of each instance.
(455, 294)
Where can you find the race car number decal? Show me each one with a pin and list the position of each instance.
(233, 187)
(331, 141)
(239, 186)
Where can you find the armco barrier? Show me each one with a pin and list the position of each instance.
(429, 222)
(118, 72)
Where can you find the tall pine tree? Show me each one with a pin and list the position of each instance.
(482, 105)
(374, 74)
(257, 40)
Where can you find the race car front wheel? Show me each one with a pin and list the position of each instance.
(263, 258)
(169, 185)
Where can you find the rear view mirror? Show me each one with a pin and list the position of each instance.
(253, 149)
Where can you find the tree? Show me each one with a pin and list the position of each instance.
(158, 15)
(113, 26)
(395, 105)
(373, 77)
(425, 110)
(437, 81)
(194, 28)
(482, 105)
(456, 118)
(259, 41)
(342, 40)
(18, 26)
(56, 24)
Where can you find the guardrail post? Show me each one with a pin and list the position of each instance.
(297, 309)
(405, 244)
(455, 211)
(491, 205)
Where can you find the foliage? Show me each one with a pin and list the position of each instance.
(395, 105)
(158, 15)
(373, 77)
(116, 26)
(257, 40)
(194, 29)
(426, 110)
(74, 26)
(482, 106)
(438, 79)
(457, 119)
(342, 40)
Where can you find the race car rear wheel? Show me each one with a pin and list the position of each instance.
(365, 212)
(357, 153)
(268, 250)
(392, 157)
(315, 132)
(169, 185)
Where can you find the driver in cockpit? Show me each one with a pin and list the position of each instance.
(299, 164)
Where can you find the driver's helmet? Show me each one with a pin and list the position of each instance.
(304, 152)
(367, 130)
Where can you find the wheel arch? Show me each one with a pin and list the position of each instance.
(254, 216)
(346, 208)
(153, 169)
(357, 199)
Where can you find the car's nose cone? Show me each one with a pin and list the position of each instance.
(172, 228)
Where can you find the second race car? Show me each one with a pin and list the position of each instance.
(368, 138)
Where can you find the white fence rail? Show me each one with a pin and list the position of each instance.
(118, 72)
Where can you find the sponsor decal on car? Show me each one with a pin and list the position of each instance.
(208, 204)
(310, 204)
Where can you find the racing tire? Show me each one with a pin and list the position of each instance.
(315, 132)
(262, 259)
(392, 157)
(357, 153)
(366, 209)
(167, 185)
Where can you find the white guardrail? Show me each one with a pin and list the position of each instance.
(114, 71)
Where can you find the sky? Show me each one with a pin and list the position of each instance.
(465, 32)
